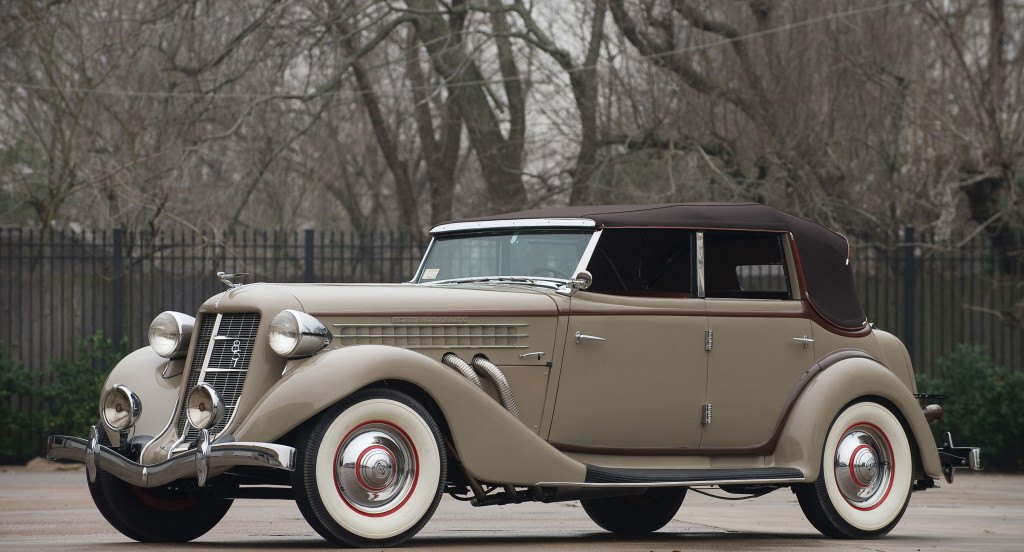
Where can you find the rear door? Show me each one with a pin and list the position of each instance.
(761, 336)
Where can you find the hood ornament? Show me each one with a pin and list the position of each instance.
(227, 278)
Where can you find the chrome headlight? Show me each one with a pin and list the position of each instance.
(204, 407)
(296, 334)
(170, 334)
(121, 408)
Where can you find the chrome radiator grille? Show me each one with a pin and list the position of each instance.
(224, 346)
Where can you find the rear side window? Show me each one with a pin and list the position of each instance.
(745, 265)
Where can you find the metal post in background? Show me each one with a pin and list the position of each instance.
(909, 292)
(117, 264)
(310, 276)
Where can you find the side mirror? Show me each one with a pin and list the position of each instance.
(582, 280)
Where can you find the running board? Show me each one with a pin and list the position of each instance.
(599, 476)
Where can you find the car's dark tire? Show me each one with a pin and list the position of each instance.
(370, 470)
(636, 514)
(158, 514)
(866, 475)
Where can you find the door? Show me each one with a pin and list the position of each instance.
(635, 376)
(761, 336)
(634, 370)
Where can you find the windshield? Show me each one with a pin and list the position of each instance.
(519, 253)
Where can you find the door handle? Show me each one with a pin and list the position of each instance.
(580, 337)
(805, 340)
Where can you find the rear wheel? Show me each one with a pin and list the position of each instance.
(159, 514)
(371, 470)
(636, 514)
(866, 475)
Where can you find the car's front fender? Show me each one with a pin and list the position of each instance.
(492, 445)
(857, 376)
(142, 372)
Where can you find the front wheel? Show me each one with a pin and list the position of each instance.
(866, 475)
(370, 470)
(636, 514)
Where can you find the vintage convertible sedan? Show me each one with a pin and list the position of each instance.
(614, 355)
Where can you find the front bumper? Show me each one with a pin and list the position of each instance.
(194, 463)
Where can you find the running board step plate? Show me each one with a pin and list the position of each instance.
(597, 475)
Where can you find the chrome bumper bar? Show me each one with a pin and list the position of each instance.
(194, 463)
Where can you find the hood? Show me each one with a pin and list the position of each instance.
(387, 299)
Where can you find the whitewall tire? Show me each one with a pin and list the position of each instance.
(371, 470)
(866, 474)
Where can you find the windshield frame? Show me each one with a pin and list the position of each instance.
(492, 227)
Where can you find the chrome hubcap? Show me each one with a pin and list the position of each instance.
(375, 468)
(863, 466)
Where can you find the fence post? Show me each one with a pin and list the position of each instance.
(309, 255)
(117, 329)
(909, 292)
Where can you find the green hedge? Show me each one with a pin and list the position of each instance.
(983, 408)
(72, 395)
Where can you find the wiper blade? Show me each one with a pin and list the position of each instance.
(499, 279)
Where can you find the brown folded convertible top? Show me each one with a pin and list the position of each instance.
(824, 254)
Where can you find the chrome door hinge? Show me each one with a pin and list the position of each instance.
(705, 414)
(708, 339)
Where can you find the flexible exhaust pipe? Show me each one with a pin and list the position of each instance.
(453, 361)
(489, 369)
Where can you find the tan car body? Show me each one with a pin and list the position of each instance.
(584, 353)
(492, 445)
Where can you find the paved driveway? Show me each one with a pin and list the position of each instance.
(52, 510)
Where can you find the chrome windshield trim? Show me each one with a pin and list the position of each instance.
(588, 252)
(423, 259)
(513, 223)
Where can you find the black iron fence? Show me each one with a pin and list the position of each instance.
(58, 287)
(935, 298)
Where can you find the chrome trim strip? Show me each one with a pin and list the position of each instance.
(220, 455)
(418, 336)
(701, 289)
(171, 419)
(209, 346)
(413, 325)
(451, 346)
(513, 223)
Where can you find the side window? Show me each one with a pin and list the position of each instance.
(746, 265)
(643, 261)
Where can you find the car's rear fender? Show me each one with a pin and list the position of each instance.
(492, 445)
(836, 385)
